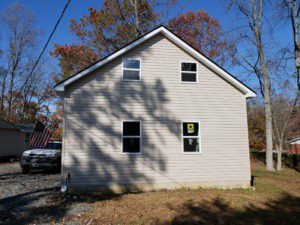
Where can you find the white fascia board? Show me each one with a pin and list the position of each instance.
(248, 93)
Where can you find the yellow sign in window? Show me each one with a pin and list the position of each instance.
(191, 128)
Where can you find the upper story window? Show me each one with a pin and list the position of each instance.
(131, 69)
(189, 72)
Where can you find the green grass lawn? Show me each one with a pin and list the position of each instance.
(275, 200)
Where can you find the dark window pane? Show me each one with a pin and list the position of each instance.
(191, 144)
(189, 77)
(189, 67)
(131, 145)
(190, 129)
(131, 75)
(131, 128)
(131, 63)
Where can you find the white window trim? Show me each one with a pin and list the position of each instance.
(199, 136)
(122, 136)
(140, 69)
(189, 82)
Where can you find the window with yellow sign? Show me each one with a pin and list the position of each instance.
(191, 136)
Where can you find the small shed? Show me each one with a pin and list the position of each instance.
(14, 138)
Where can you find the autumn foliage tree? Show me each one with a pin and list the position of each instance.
(256, 126)
(57, 121)
(115, 24)
(106, 30)
(73, 57)
(204, 33)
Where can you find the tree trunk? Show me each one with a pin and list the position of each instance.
(269, 139)
(10, 90)
(135, 5)
(268, 115)
(267, 95)
(2, 94)
(279, 158)
(137, 22)
(293, 11)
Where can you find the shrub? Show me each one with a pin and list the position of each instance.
(290, 160)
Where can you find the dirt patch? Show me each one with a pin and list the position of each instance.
(275, 200)
(35, 198)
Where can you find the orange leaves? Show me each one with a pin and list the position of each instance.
(256, 126)
(103, 31)
(114, 25)
(104, 3)
(202, 32)
(74, 57)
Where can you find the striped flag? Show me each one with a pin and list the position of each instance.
(40, 136)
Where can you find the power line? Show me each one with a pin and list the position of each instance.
(46, 45)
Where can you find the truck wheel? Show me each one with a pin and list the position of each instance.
(58, 167)
(25, 169)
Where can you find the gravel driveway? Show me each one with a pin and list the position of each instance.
(35, 198)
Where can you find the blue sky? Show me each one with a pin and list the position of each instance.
(48, 11)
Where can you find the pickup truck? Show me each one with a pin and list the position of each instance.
(46, 159)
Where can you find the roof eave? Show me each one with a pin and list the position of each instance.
(250, 94)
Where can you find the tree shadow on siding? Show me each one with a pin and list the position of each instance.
(284, 210)
(93, 139)
(94, 117)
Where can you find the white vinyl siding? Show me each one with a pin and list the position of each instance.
(96, 106)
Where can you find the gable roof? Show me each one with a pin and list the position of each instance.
(249, 93)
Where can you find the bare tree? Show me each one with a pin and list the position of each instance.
(31, 89)
(286, 94)
(18, 22)
(282, 110)
(293, 13)
(252, 12)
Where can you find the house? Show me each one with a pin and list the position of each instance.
(14, 139)
(154, 114)
(294, 146)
